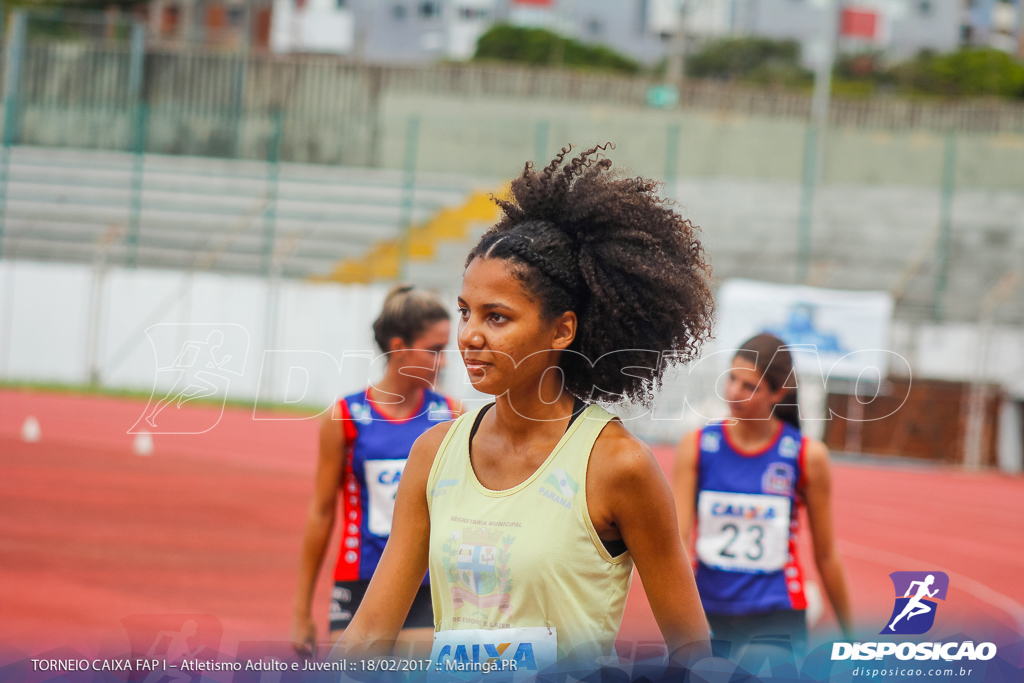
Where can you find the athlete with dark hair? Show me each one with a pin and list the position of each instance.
(363, 451)
(744, 481)
(531, 511)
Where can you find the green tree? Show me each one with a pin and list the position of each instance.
(760, 60)
(79, 19)
(87, 5)
(979, 72)
(972, 72)
(542, 47)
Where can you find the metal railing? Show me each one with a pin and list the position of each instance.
(205, 101)
(149, 106)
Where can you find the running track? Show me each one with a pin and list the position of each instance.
(211, 523)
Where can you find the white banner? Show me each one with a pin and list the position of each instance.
(837, 334)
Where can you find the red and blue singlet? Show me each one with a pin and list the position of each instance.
(747, 522)
(377, 448)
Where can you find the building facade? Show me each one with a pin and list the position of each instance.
(419, 31)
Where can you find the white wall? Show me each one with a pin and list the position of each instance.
(145, 318)
(964, 352)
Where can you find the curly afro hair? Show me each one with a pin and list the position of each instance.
(581, 238)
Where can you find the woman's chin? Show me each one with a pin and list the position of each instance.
(483, 384)
(484, 388)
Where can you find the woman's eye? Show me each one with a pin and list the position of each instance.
(498, 318)
(463, 313)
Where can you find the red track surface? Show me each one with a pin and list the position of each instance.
(210, 524)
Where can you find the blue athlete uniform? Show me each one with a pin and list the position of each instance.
(377, 447)
(748, 507)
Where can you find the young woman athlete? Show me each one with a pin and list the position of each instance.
(531, 511)
(744, 481)
(363, 450)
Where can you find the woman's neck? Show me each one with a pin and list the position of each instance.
(396, 384)
(524, 413)
(753, 434)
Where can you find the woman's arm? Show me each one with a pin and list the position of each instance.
(403, 564)
(319, 524)
(638, 502)
(818, 492)
(684, 485)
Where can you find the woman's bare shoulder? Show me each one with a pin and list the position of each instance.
(620, 456)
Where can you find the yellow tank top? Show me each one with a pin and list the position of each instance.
(528, 556)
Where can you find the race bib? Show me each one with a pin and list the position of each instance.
(742, 531)
(504, 654)
(382, 477)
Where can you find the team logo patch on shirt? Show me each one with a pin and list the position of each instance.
(778, 479)
(442, 487)
(360, 413)
(710, 442)
(439, 411)
(476, 562)
(560, 488)
(563, 482)
(789, 447)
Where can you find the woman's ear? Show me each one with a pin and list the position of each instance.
(396, 344)
(565, 330)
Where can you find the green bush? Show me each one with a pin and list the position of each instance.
(969, 72)
(542, 47)
(972, 72)
(760, 60)
(978, 72)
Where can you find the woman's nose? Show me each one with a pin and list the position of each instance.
(469, 335)
(731, 394)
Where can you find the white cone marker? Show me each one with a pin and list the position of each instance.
(30, 431)
(143, 444)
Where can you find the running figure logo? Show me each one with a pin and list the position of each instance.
(914, 611)
(193, 362)
(197, 361)
(175, 638)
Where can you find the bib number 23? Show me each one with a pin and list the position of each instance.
(743, 532)
(754, 550)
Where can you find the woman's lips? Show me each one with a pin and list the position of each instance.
(476, 365)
